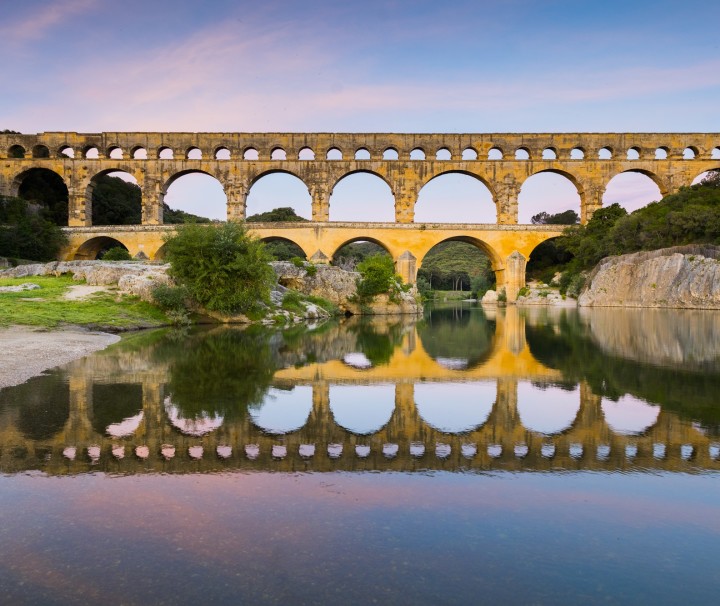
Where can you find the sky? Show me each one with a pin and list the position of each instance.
(394, 65)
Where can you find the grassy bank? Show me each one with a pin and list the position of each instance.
(48, 307)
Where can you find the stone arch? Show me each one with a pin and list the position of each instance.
(715, 153)
(306, 153)
(92, 183)
(348, 406)
(115, 152)
(483, 183)
(272, 241)
(661, 153)
(302, 207)
(91, 152)
(443, 154)
(577, 153)
(361, 239)
(251, 153)
(549, 153)
(92, 248)
(495, 153)
(690, 152)
(523, 153)
(359, 191)
(65, 151)
(16, 151)
(278, 153)
(193, 153)
(528, 205)
(138, 152)
(496, 261)
(362, 153)
(44, 186)
(40, 151)
(334, 153)
(213, 194)
(633, 153)
(469, 153)
(699, 177)
(222, 152)
(605, 153)
(417, 153)
(543, 257)
(548, 416)
(165, 153)
(625, 198)
(471, 404)
(391, 153)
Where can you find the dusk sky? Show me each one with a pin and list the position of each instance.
(399, 66)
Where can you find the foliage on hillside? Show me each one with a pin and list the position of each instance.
(350, 255)
(223, 268)
(568, 217)
(284, 214)
(26, 231)
(116, 202)
(454, 266)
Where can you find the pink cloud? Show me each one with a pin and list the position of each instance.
(34, 25)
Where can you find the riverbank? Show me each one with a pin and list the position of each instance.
(28, 351)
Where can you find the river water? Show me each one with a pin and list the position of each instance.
(511, 457)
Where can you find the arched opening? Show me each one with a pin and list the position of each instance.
(459, 264)
(353, 252)
(495, 153)
(65, 151)
(549, 153)
(547, 192)
(715, 155)
(362, 410)
(690, 153)
(605, 153)
(165, 153)
(455, 197)
(116, 199)
(91, 152)
(278, 154)
(469, 154)
(139, 153)
(195, 193)
(276, 191)
(251, 154)
(577, 153)
(546, 260)
(633, 153)
(362, 196)
(16, 151)
(631, 190)
(661, 153)
(306, 154)
(417, 154)
(283, 411)
(115, 153)
(547, 410)
(704, 175)
(443, 154)
(222, 153)
(193, 153)
(333, 154)
(390, 154)
(522, 153)
(95, 248)
(629, 415)
(362, 154)
(457, 407)
(117, 409)
(47, 189)
(40, 151)
(283, 249)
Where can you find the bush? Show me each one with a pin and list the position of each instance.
(292, 301)
(28, 234)
(173, 301)
(117, 253)
(223, 268)
(524, 292)
(377, 276)
(480, 285)
(502, 296)
(576, 285)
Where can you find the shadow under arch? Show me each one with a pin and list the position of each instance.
(46, 187)
(496, 261)
(546, 255)
(94, 248)
(284, 249)
(96, 182)
(481, 181)
(457, 337)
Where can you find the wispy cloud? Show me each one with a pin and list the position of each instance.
(33, 24)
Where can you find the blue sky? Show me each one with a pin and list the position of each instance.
(403, 66)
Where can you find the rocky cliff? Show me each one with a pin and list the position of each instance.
(682, 277)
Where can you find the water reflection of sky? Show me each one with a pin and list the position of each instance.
(547, 410)
(197, 426)
(283, 410)
(362, 409)
(456, 407)
(629, 415)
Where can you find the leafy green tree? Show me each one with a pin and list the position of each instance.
(223, 267)
(284, 250)
(348, 256)
(568, 217)
(116, 253)
(116, 202)
(377, 276)
(173, 216)
(26, 233)
(284, 214)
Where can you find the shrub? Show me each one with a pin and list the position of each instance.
(502, 296)
(524, 292)
(292, 301)
(222, 266)
(576, 285)
(117, 253)
(298, 262)
(173, 301)
(377, 276)
(28, 234)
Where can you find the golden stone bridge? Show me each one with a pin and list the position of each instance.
(406, 162)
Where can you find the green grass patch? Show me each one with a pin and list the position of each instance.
(47, 307)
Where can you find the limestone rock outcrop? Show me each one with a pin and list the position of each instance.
(686, 277)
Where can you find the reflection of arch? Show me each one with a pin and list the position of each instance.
(45, 406)
(425, 211)
(283, 411)
(629, 415)
(364, 409)
(201, 424)
(383, 195)
(117, 408)
(91, 249)
(455, 407)
(547, 410)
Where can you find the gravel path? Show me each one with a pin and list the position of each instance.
(26, 352)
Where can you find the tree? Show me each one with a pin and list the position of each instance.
(116, 202)
(568, 217)
(223, 267)
(377, 276)
(284, 214)
(26, 233)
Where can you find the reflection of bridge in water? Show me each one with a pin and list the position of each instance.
(503, 434)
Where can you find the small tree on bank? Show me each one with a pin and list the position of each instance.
(223, 268)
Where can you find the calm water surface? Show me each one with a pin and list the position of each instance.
(517, 456)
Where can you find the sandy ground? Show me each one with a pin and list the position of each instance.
(26, 352)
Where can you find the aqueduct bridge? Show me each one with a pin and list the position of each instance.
(406, 162)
